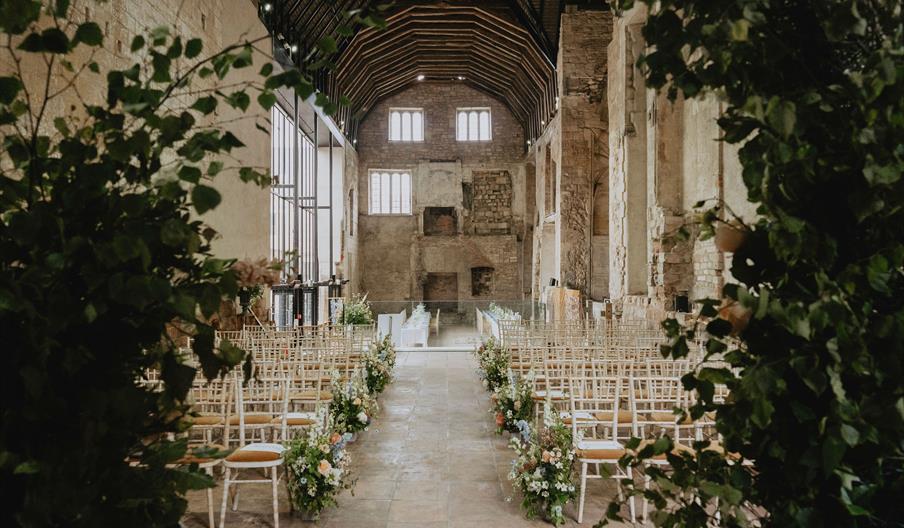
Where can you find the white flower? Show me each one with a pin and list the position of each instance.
(362, 417)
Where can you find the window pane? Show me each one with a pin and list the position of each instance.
(374, 192)
(395, 126)
(417, 126)
(462, 126)
(406, 193)
(406, 126)
(472, 126)
(396, 193)
(484, 125)
(384, 192)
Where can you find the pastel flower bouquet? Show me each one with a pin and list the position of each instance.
(378, 364)
(317, 465)
(353, 406)
(514, 404)
(493, 360)
(542, 469)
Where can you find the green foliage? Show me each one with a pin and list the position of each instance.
(814, 91)
(357, 312)
(493, 360)
(542, 469)
(514, 404)
(101, 249)
(318, 468)
(353, 406)
(379, 362)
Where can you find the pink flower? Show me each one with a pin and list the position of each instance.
(324, 467)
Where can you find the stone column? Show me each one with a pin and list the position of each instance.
(584, 158)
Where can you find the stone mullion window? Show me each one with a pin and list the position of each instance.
(406, 124)
(390, 192)
(473, 124)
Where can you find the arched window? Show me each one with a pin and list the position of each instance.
(474, 124)
(406, 124)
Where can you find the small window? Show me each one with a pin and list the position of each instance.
(390, 192)
(406, 124)
(474, 124)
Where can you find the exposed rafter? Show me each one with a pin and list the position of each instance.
(505, 48)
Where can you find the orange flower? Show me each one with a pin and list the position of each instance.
(335, 437)
(500, 419)
(547, 456)
(324, 467)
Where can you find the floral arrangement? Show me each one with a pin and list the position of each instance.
(353, 406)
(251, 276)
(542, 469)
(317, 466)
(503, 314)
(357, 312)
(514, 404)
(378, 364)
(494, 364)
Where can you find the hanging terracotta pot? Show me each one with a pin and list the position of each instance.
(730, 237)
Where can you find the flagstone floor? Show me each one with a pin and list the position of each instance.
(431, 459)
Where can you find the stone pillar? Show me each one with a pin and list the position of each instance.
(584, 157)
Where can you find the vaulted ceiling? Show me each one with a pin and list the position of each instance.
(505, 48)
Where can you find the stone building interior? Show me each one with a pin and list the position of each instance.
(486, 157)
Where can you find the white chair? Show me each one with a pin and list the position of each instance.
(594, 405)
(260, 455)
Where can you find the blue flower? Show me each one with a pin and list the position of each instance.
(524, 429)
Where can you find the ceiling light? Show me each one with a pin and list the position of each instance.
(461, 77)
(542, 121)
(421, 77)
(268, 7)
(293, 48)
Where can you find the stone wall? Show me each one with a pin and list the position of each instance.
(242, 219)
(483, 182)
(665, 158)
(572, 163)
(491, 211)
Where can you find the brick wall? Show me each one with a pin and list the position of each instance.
(491, 212)
(484, 183)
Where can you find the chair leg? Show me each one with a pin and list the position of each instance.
(235, 493)
(646, 503)
(275, 500)
(225, 498)
(631, 498)
(583, 491)
(210, 520)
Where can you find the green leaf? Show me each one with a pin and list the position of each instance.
(266, 100)
(193, 48)
(62, 127)
(190, 174)
(205, 198)
(327, 45)
(27, 468)
(9, 89)
(266, 69)
(89, 33)
(54, 40)
(137, 43)
(850, 435)
(205, 105)
(32, 43)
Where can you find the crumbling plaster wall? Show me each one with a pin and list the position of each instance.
(242, 218)
(683, 163)
(573, 152)
(445, 173)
